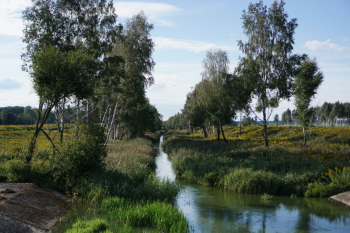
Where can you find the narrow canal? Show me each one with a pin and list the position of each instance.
(210, 209)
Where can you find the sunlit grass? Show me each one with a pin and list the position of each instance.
(245, 165)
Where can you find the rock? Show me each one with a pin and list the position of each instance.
(29, 208)
(342, 198)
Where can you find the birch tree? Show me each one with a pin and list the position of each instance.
(308, 79)
(55, 76)
(268, 62)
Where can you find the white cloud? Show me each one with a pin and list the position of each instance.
(155, 12)
(324, 45)
(189, 45)
(11, 23)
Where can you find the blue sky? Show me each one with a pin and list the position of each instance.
(183, 32)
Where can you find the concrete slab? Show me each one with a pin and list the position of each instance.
(342, 198)
(25, 207)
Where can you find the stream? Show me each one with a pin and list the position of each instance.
(211, 209)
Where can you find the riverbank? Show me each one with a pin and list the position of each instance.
(244, 165)
(119, 178)
(127, 196)
(210, 209)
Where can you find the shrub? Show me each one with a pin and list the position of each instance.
(92, 226)
(79, 158)
(17, 170)
(337, 180)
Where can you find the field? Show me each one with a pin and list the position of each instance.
(245, 165)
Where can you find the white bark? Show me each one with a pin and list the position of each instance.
(111, 123)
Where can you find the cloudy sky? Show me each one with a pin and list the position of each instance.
(183, 31)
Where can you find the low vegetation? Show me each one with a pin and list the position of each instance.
(117, 181)
(244, 165)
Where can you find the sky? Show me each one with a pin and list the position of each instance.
(183, 31)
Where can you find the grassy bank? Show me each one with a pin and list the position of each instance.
(116, 182)
(129, 195)
(245, 165)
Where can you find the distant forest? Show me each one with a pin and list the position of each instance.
(329, 114)
(25, 116)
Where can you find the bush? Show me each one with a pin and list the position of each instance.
(79, 158)
(17, 170)
(337, 180)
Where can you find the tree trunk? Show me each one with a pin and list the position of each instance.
(87, 111)
(111, 123)
(77, 117)
(223, 134)
(265, 123)
(39, 125)
(104, 117)
(116, 132)
(218, 129)
(304, 136)
(240, 124)
(60, 118)
(205, 131)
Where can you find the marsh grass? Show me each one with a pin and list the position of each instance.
(244, 165)
(92, 226)
(161, 216)
(266, 197)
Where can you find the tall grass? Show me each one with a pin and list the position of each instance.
(244, 165)
(161, 216)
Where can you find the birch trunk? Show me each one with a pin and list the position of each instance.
(111, 123)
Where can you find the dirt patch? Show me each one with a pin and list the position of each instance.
(26, 207)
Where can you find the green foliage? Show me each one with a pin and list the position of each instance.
(337, 180)
(161, 216)
(266, 197)
(268, 63)
(243, 166)
(79, 158)
(308, 79)
(339, 177)
(276, 119)
(57, 75)
(17, 170)
(320, 189)
(92, 226)
(286, 117)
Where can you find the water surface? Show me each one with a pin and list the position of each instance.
(211, 209)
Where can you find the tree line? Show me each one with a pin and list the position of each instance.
(267, 73)
(78, 55)
(329, 114)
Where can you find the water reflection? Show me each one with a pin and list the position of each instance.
(213, 210)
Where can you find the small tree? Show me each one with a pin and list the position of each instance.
(57, 75)
(276, 119)
(215, 94)
(308, 79)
